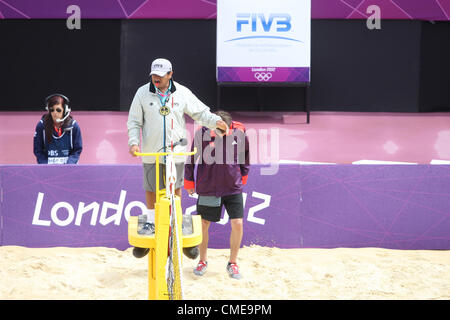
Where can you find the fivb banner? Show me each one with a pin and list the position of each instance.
(263, 40)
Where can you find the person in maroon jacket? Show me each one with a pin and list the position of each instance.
(222, 161)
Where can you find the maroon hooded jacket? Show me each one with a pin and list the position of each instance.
(222, 162)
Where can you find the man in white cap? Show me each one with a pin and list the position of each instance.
(158, 110)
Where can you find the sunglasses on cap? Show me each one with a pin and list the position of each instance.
(58, 110)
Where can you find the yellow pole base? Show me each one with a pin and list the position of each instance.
(159, 244)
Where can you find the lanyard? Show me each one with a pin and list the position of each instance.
(58, 131)
(164, 110)
(164, 96)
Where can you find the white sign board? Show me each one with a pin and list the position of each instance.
(263, 40)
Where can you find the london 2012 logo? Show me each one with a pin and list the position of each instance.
(263, 76)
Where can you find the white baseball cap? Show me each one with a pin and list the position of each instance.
(161, 67)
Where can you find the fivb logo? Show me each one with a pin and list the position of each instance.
(253, 24)
(282, 23)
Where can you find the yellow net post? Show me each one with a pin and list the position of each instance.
(159, 242)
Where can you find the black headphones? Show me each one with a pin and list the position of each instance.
(65, 99)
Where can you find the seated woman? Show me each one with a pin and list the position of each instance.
(57, 139)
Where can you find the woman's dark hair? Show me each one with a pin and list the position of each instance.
(48, 120)
(225, 116)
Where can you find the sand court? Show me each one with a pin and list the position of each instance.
(97, 273)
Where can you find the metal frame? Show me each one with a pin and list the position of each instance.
(259, 85)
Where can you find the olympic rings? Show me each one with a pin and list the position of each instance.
(262, 76)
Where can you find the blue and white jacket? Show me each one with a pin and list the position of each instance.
(64, 149)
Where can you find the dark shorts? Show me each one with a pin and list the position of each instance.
(234, 205)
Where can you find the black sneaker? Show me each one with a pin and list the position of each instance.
(140, 252)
